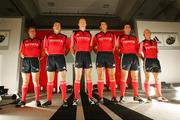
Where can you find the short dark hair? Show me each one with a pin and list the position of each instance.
(127, 24)
(82, 18)
(57, 21)
(31, 27)
(102, 21)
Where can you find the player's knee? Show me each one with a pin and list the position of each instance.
(25, 84)
(88, 77)
(36, 84)
(100, 76)
(147, 78)
(77, 81)
(123, 77)
(112, 77)
(157, 80)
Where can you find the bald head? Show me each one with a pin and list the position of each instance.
(147, 34)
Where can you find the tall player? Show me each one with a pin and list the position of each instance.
(30, 52)
(81, 46)
(104, 44)
(128, 47)
(55, 46)
(148, 51)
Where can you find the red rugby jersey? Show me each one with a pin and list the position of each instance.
(31, 47)
(105, 42)
(128, 44)
(55, 44)
(149, 48)
(81, 40)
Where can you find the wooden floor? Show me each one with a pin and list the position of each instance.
(130, 110)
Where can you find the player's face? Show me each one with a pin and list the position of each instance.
(32, 32)
(103, 26)
(127, 29)
(57, 27)
(82, 23)
(147, 34)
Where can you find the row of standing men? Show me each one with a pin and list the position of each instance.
(104, 43)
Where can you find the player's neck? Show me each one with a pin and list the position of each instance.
(31, 37)
(127, 33)
(82, 28)
(148, 38)
(56, 32)
(104, 31)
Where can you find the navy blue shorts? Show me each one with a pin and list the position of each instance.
(83, 60)
(30, 65)
(56, 63)
(152, 65)
(129, 62)
(105, 59)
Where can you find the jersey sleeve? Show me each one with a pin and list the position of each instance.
(140, 48)
(94, 42)
(91, 43)
(119, 43)
(45, 43)
(114, 40)
(21, 49)
(72, 40)
(157, 47)
(67, 45)
(137, 45)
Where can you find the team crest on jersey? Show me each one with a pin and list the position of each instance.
(50, 37)
(145, 43)
(99, 35)
(123, 38)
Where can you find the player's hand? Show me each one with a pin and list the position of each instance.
(142, 58)
(46, 53)
(74, 54)
(22, 56)
(40, 58)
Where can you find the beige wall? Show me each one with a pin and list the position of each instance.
(9, 70)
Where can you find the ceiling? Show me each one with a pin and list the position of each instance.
(71, 7)
(117, 12)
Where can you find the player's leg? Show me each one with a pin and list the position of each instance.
(147, 86)
(135, 85)
(100, 67)
(78, 75)
(111, 73)
(24, 90)
(89, 85)
(124, 76)
(100, 73)
(35, 78)
(50, 86)
(62, 80)
(158, 88)
(51, 68)
(25, 72)
(125, 67)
